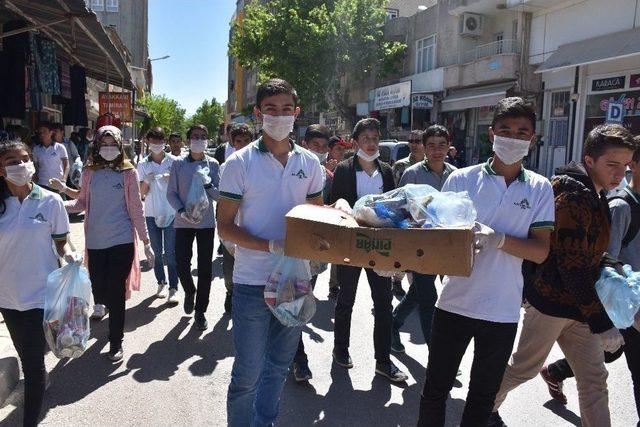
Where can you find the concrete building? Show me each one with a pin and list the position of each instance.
(588, 55)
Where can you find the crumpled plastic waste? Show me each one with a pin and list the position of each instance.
(288, 292)
(197, 201)
(620, 295)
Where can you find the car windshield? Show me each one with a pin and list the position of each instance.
(385, 153)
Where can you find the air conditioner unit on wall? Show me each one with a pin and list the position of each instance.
(471, 25)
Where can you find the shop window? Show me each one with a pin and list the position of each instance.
(112, 5)
(425, 54)
(559, 119)
(97, 5)
(498, 39)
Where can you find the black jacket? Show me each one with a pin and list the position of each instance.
(344, 180)
(219, 153)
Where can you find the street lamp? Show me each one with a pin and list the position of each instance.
(159, 59)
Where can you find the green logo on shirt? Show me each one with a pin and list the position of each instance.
(118, 186)
(524, 204)
(368, 244)
(39, 217)
(300, 174)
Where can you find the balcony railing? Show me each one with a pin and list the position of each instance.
(479, 52)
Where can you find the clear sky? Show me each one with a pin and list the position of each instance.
(195, 33)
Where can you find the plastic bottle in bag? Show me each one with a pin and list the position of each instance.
(164, 213)
(450, 209)
(288, 292)
(197, 201)
(620, 295)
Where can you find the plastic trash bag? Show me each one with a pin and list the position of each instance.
(387, 210)
(620, 295)
(66, 310)
(288, 292)
(450, 209)
(75, 173)
(197, 200)
(164, 214)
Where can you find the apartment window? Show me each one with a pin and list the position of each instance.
(514, 29)
(391, 14)
(112, 5)
(426, 54)
(97, 5)
(498, 39)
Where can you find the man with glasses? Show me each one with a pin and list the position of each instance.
(416, 154)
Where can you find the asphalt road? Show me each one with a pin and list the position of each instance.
(173, 375)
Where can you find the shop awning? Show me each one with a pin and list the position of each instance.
(604, 48)
(77, 32)
(482, 96)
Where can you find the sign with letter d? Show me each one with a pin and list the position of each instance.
(615, 112)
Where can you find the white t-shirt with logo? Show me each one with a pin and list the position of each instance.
(493, 292)
(266, 191)
(27, 233)
(48, 162)
(148, 166)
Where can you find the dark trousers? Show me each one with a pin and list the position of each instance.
(184, 253)
(301, 355)
(228, 261)
(560, 370)
(108, 271)
(380, 293)
(450, 337)
(27, 334)
(422, 294)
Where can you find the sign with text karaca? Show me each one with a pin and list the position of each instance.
(117, 103)
(392, 96)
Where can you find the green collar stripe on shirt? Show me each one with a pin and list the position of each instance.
(314, 195)
(542, 225)
(36, 192)
(260, 145)
(522, 176)
(59, 237)
(230, 196)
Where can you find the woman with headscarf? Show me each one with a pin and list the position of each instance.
(110, 198)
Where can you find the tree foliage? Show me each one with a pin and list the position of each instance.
(314, 43)
(163, 111)
(210, 114)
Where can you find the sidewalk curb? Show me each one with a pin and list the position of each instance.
(9, 367)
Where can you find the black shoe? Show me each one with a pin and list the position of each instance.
(228, 302)
(397, 290)
(189, 302)
(396, 343)
(301, 372)
(495, 420)
(200, 321)
(342, 358)
(333, 293)
(220, 249)
(115, 354)
(391, 371)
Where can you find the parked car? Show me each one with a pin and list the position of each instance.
(391, 150)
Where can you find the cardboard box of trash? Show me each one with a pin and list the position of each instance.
(329, 235)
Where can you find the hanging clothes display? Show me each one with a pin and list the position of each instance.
(64, 73)
(44, 52)
(12, 71)
(74, 113)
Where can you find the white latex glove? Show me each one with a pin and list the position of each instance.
(57, 185)
(151, 257)
(276, 247)
(611, 340)
(485, 237)
(187, 218)
(343, 205)
(148, 178)
(72, 257)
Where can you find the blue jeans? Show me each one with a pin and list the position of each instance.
(156, 235)
(264, 350)
(422, 294)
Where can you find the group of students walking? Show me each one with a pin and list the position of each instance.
(562, 230)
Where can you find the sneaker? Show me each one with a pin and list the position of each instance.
(189, 302)
(342, 358)
(200, 321)
(162, 290)
(301, 372)
(554, 386)
(228, 302)
(99, 311)
(173, 297)
(333, 293)
(115, 354)
(397, 290)
(495, 420)
(396, 343)
(391, 371)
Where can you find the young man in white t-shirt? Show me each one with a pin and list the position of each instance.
(153, 173)
(50, 158)
(515, 219)
(259, 185)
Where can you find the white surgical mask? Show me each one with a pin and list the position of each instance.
(278, 127)
(109, 153)
(20, 174)
(322, 157)
(510, 150)
(156, 148)
(366, 157)
(198, 145)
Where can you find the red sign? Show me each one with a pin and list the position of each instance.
(117, 103)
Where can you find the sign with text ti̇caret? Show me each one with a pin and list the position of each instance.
(392, 96)
(117, 103)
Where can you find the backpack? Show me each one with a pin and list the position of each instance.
(633, 203)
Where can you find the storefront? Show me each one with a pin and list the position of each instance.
(392, 106)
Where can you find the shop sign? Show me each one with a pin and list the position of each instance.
(610, 83)
(615, 112)
(634, 80)
(393, 96)
(422, 100)
(117, 103)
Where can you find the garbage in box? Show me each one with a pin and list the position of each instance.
(329, 235)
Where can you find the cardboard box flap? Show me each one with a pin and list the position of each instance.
(322, 214)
